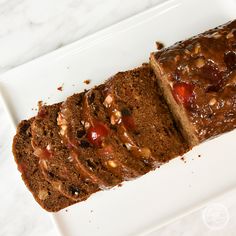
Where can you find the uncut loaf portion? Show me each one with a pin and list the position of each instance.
(71, 166)
(198, 80)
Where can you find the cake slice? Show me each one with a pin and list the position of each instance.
(28, 164)
(114, 155)
(198, 79)
(57, 164)
(73, 131)
(141, 117)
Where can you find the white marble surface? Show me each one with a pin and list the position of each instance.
(30, 28)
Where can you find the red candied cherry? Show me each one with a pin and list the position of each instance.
(97, 133)
(183, 93)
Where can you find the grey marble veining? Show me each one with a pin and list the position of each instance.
(31, 28)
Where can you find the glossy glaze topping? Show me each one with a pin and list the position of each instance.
(201, 74)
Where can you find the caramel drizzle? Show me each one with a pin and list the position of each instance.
(119, 163)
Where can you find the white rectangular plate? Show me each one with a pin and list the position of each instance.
(142, 205)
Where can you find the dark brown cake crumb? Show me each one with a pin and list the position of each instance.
(40, 104)
(42, 112)
(87, 81)
(60, 88)
(159, 45)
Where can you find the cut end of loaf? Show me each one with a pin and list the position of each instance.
(177, 110)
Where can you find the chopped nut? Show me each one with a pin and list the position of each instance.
(212, 102)
(49, 147)
(57, 186)
(42, 195)
(200, 62)
(70, 158)
(146, 152)
(177, 57)
(197, 48)
(115, 117)
(171, 83)
(85, 124)
(128, 146)
(60, 120)
(187, 51)
(108, 100)
(230, 35)
(216, 35)
(43, 163)
(112, 164)
(63, 130)
(186, 69)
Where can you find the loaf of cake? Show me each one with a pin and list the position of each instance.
(198, 80)
(97, 139)
(133, 123)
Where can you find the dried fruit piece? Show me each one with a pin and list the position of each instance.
(128, 122)
(97, 133)
(230, 60)
(183, 93)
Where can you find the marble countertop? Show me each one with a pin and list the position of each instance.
(31, 28)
